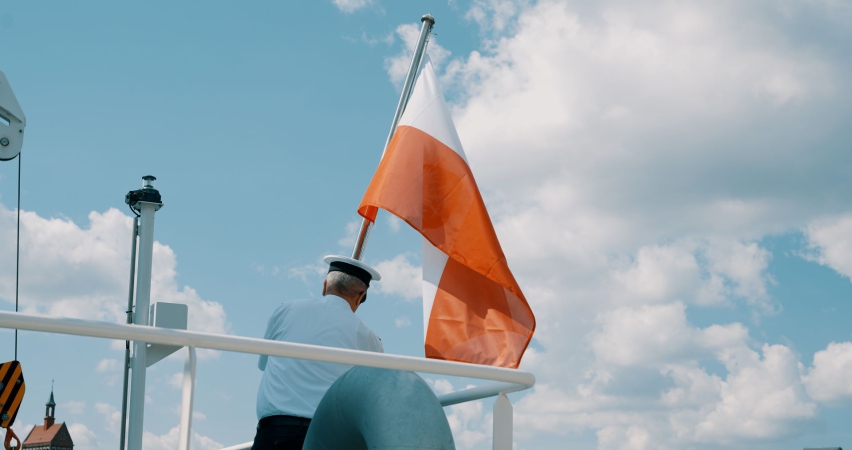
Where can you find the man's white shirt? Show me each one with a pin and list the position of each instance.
(294, 387)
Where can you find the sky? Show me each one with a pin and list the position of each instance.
(669, 181)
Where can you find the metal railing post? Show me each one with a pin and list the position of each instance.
(502, 423)
(186, 403)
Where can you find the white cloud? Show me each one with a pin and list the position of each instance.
(308, 273)
(470, 425)
(83, 437)
(696, 271)
(351, 234)
(169, 441)
(409, 33)
(73, 407)
(402, 322)
(626, 438)
(762, 398)
(830, 241)
(400, 278)
(656, 334)
(350, 6)
(495, 15)
(273, 271)
(633, 158)
(70, 271)
(394, 222)
(108, 365)
(175, 380)
(829, 378)
(111, 415)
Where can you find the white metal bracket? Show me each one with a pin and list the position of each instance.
(12, 122)
(166, 315)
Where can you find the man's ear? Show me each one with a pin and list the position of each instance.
(324, 286)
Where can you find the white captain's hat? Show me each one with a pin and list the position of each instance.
(357, 269)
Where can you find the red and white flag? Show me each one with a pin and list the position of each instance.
(473, 309)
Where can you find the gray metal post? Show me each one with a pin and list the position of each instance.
(122, 439)
(427, 23)
(147, 205)
(185, 431)
(502, 431)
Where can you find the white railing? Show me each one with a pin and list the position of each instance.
(508, 380)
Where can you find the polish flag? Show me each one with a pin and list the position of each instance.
(473, 309)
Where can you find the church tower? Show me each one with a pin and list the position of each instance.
(51, 435)
(49, 411)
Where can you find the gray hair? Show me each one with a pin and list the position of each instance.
(344, 284)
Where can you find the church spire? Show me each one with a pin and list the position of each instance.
(50, 410)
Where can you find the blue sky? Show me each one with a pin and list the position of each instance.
(669, 183)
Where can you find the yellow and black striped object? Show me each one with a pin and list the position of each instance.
(12, 388)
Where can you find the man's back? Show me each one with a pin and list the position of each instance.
(295, 387)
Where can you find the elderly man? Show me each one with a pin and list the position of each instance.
(291, 389)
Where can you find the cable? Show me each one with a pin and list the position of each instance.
(132, 210)
(18, 252)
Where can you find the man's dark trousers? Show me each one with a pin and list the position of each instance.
(281, 433)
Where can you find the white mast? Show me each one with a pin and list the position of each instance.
(147, 203)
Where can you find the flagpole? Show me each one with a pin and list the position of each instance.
(428, 22)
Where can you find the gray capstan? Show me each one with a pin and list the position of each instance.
(370, 408)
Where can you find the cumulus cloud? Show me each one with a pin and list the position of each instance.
(634, 158)
(830, 378)
(762, 398)
(495, 15)
(175, 380)
(73, 407)
(574, 109)
(108, 365)
(111, 416)
(656, 334)
(71, 271)
(151, 441)
(394, 222)
(830, 243)
(83, 437)
(169, 441)
(409, 33)
(348, 240)
(350, 6)
(400, 278)
(470, 424)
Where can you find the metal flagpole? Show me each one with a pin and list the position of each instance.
(428, 22)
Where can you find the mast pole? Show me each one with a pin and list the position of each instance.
(425, 30)
(124, 393)
(146, 201)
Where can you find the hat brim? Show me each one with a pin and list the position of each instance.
(359, 264)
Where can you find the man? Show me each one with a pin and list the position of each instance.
(291, 389)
